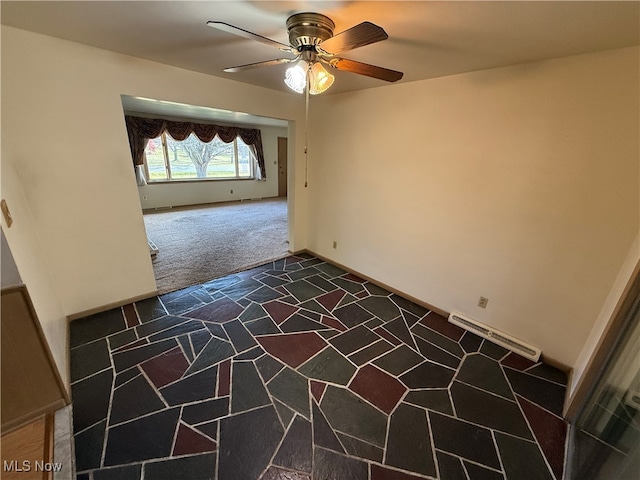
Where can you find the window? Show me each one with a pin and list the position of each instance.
(167, 159)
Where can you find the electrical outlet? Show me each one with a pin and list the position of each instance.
(482, 302)
(232, 192)
(335, 244)
(144, 197)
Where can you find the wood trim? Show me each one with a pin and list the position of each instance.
(110, 306)
(607, 342)
(62, 394)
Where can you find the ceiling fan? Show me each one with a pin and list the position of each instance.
(313, 43)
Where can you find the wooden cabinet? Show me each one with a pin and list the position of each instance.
(30, 383)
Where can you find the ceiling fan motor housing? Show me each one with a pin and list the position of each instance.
(306, 29)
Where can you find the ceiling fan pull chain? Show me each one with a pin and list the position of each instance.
(306, 127)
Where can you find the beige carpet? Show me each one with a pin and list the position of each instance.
(197, 244)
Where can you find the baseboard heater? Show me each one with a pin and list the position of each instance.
(496, 336)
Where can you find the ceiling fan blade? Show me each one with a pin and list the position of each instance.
(362, 34)
(251, 66)
(364, 69)
(225, 27)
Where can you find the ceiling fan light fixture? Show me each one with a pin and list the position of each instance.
(296, 77)
(320, 80)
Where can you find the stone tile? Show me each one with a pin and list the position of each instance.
(331, 270)
(292, 389)
(349, 286)
(476, 472)
(493, 350)
(387, 336)
(205, 411)
(126, 359)
(436, 354)
(247, 390)
(450, 467)
(352, 315)
(177, 330)
(189, 442)
(325, 285)
(252, 312)
(242, 288)
(220, 311)
(242, 453)
(548, 372)
(409, 306)
(399, 360)
(437, 339)
(303, 290)
(217, 331)
(378, 387)
(88, 446)
(374, 289)
(521, 459)
(264, 294)
(158, 325)
(317, 389)
(333, 323)
(470, 342)
(299, 323)
(150, 309)
(214, 352)
(199, 386)
(323, 434)
(464, 439)
(434, 399)
(280, 311)
(346, 413)
(331, 300)
(330, 366)
(546, 394)
(293, 349)
(399, 328)
(224, 378)
(517, 362)
(199, 467)
(96, 326)
(143, 439)
(484, 373)
(122, 338)
(489, 410)
(146, 401)
(381, 307)
(268, 367)
(262, 326)
(274, 473)
(284, 413)
(408, 444)
(441, 325)
(550, 432)
(314, 306)
(428, 375)
(303, 273)
(91, 400)
(239, 336)
(296, 451)
(354, 339)
(332, 466)
(129, 472)
(89, 358)
(165, 368)
(382, 473)
(252, 354)
(370, 352)
(358, 448)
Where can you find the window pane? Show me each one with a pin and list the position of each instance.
(185, 157)
(155, 160)
(222, 164)
(245, 160)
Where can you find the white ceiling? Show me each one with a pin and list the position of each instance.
(426, 39)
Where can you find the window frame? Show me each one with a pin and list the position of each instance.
(167, 165)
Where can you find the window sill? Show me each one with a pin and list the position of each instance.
(197, 180)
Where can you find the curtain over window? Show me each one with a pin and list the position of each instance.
(140, 130)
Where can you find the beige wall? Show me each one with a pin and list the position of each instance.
(175, 194)
(78, 238)
(519, 184)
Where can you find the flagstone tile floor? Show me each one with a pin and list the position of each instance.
(298, 370)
